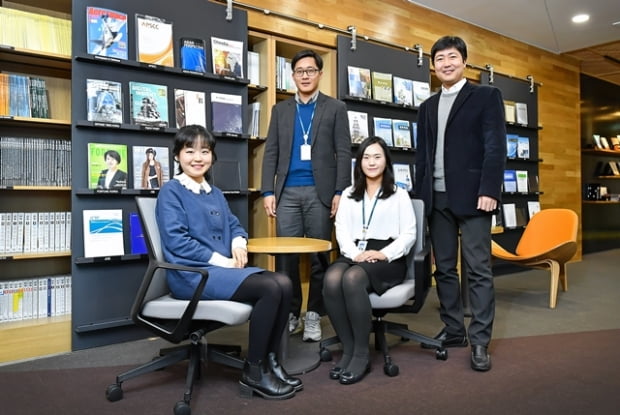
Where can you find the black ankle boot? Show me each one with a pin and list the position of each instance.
(280, 372)
(258, 378)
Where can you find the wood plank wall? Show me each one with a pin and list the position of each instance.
(402, 23)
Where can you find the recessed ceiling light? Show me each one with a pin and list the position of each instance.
(580, 18)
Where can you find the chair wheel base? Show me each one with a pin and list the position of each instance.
(114, 392)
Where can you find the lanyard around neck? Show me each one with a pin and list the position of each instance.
(305, 131)
(364, 224)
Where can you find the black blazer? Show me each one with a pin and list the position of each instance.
(330, 146)
(474, 149)
(119, 180)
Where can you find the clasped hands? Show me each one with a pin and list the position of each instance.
(239, 259)
(370, 256)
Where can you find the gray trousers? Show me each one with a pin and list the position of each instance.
(300, 213)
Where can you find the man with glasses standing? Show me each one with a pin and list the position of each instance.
(306, 165)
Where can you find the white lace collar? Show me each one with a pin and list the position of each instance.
(192, 185)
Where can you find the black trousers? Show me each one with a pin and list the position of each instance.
(475, 237)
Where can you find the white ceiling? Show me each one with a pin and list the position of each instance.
(542, 23)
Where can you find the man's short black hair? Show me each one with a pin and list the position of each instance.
(305, 54)
(447, 42)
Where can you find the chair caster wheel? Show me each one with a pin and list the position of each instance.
(182, 408)
(441, 354)
(325, 354)
(114, 393)
(390, 369)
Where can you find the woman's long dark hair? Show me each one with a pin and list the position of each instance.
(187, 136)
(359, 178)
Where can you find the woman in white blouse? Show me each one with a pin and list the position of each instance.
(375, 229)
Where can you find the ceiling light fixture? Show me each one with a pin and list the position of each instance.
(580, 18)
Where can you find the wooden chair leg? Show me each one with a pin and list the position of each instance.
(554, 267)
(563, 277)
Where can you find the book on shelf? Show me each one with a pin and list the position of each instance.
(4, 93)
(226, 113)
(193, 55)
(414, 134)
(137, 241)
(604, 143)
(254, 117)
(597, 141)
(359, 82)
(401, 133)
(107, 166)
(533, 183)
(383, 129)
(614, 168)
(226, 175)
(382, 86)
(614, 143)
(521, 113)
(151, 166)
(284, 80)
(533, 207)
(522, 181)
(190, 107)
(403, 91)
(227, 57)
(104, 101)
(402, 176)
(148, 104)
(154, 44)
(510, 181)
(358, 126)
(19, 95)
(106, 32)
(421, 91)
(103, 232)
(521, 215)
(523, 147)
(509, 111)
(510, 215)
(512, 142)
(254, 67)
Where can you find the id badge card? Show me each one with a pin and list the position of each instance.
(305, 152)
(361, 245)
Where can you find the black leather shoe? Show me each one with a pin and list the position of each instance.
(447, 340)
(335, 372)
(349, 378)
(480, 359)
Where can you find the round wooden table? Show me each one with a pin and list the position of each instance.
(296, 358)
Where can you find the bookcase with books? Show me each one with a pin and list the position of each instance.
(383, 87)
(600, 165)
(521, 192)
(35, 179)
(141, 70)
(272, 54)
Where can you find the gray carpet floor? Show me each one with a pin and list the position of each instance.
(591, 303)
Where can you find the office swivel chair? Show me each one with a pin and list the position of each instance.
(406, 297)
(549, 241)
(178, 321)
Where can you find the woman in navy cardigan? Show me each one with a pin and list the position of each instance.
(199, 230)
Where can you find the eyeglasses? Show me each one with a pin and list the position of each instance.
(311, 72)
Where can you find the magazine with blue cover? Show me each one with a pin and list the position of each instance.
(106, 32)
(149, 104)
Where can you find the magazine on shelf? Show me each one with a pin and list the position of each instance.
(254, 67)
(226, 175)
(151, 167)
(522, 181)
(401, 133)
(227, 57)
(402, 175)
(104, 100)
(106, 32)
(149, 104)
(421, 91)
(226, 113)
(190, 108)
(359, 82)
(382, 86)
(383, 129)
(136, 235)
(254, 117)
(512, 142)
(521, 113)
(192, 52)
(414, 134)
(103, 232)
(533, 207)
(509, 111)
(154, 43)
(510, 181)
(103, 159)
(403, 91)
(510, 215)
(523, 147)
(358, 126)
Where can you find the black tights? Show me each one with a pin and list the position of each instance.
(270, 294)
(345, 293)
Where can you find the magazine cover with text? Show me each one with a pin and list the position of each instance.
(154, 40)
(151, 167)
(106, 32)
(149, 104)
(107, 166)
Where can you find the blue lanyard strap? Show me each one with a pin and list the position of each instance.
(303, 128)
(364, 224)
